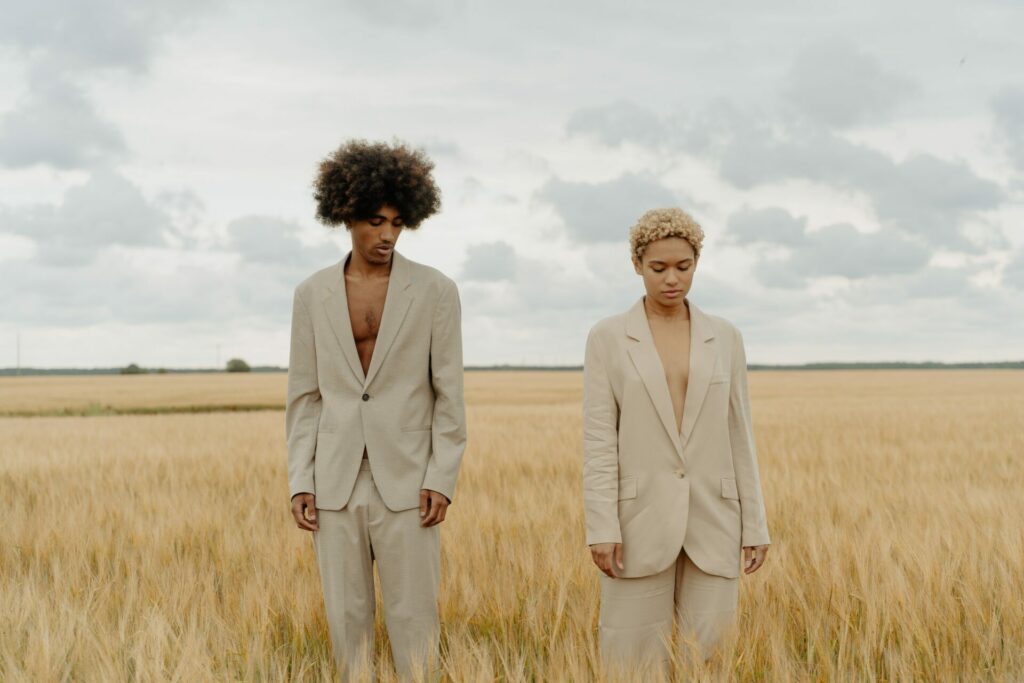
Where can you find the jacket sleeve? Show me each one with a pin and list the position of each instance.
(744, 451)
(449, 423)
(600, 448)
(303, 404)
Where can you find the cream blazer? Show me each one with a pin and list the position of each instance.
(407, 410)
(650, 487)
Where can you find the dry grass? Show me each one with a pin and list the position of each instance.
(85, 395)
(100, 394)
(159, 548)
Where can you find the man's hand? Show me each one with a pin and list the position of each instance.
(753, 557)
(433, 506)
(607, 556)
(304, 504)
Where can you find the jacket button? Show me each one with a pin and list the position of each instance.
(366, 397)
(680, 473)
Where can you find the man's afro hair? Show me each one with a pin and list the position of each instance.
(359, 177)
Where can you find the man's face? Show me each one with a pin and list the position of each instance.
(374, 238)
(667, 268)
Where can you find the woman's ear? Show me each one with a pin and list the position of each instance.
(638, 267)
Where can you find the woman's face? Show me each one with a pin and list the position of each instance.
(667, 269)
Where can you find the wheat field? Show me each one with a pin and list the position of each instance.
(160, 547)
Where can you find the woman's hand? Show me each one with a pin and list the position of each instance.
(753, 557)
(607, 556)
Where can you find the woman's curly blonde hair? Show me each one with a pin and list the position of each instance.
(658, 224)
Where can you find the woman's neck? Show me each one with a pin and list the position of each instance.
(677, 313)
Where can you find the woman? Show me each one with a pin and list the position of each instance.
(670, 477)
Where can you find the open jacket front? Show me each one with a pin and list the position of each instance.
(654, 488)
(406, 410)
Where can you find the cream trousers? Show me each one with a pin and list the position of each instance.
(637, 615)
(408, 559)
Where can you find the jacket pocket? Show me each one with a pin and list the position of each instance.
(729, 489)
(720, 377)
(416, 428)
(627, 488)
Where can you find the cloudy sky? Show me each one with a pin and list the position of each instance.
(859, 171)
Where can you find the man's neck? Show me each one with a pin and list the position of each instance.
(360, 269)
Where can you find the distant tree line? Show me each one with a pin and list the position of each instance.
(233, 365)
(239, 365)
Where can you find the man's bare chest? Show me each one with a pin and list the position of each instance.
(366, 308)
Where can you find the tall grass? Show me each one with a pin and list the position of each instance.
(159, 547)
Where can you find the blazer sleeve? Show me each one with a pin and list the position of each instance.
(303, 404)
(744, 451)
(449, 423)
(600, 447)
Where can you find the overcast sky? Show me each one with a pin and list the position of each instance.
(857, 171)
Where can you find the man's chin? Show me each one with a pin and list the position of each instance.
(378, 260)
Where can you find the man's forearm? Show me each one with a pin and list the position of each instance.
(303, 403)
(449, 425)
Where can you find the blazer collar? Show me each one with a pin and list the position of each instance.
(396, 304)
(648, 364)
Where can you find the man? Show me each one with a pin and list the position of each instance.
(375, 420)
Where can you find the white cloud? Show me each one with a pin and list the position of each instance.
(618, 122)
(835, 250)
(106, 210)
(1013, 274)
(599, 212)
(54, 123)
(842, 250)
(1008, 108)
(837, 84)
(206, 223)
(275, 241)
(489, 262)
(922, 194)
(409, 14)
(96, 34)
(771, 224)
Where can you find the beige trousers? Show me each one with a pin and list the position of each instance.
(408, 559)
(637, 614)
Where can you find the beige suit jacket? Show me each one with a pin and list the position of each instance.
(655, 489)
(407, 410)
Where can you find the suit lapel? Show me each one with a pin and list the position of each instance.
(335, 302)
(396, 305)
(645, 357)
(703, 351)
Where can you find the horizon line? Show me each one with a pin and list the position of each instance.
(525, 367)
